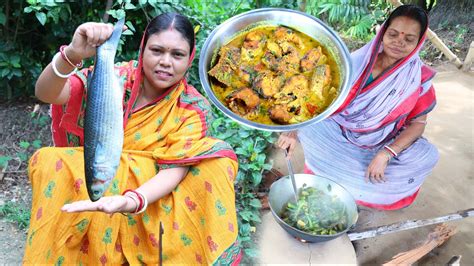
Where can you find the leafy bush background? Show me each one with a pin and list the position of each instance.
(32, 31)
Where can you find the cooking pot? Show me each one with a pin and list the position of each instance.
(281, 191)
(302, 22)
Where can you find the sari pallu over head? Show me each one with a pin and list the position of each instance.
(180, 100)
(373, 114)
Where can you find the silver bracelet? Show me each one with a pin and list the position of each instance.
(56, 71)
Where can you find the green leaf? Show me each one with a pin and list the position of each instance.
(22, 156)
(246, 216)
(4, 72)
(32, 2)
(24, 144)
(142, 2)
(14, 59)
(244, 133)
(244, 228)
(267, 166)
(4, 160)
(253, 156)
(17, 72)
(41, 17)
(241, 151)
(3, 19)
(130, 26)
(261, 158)
(256, 178)
(244, 238)
(255, 203)
(255, 217)
(36, 143)
(251, 252)
(129, 6)
(127, 32)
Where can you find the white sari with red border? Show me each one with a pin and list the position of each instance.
(342, 146)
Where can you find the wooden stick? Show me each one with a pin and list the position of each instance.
(443, 48)
(437, 42)
(435, 239)
(409, 224)
(160, 246)
(469, 58)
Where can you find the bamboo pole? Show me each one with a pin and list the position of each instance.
(437, 42)
(469, 58)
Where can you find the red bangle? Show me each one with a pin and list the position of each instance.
(390, 150)
(141, 203)
(64, 56)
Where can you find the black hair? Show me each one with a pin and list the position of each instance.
(412, 11)
(176, 21)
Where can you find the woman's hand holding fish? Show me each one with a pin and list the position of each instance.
(111, 204)
(86, 39)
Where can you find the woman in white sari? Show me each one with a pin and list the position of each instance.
(373, 145)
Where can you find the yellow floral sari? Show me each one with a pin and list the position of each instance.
(199, 216)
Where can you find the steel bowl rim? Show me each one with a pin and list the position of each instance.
(280, 220)
(346, 65)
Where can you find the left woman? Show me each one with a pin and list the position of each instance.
(171, 171)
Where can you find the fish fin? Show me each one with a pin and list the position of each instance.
(90, 74)
(100, 154)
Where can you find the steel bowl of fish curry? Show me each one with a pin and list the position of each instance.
(274, 77)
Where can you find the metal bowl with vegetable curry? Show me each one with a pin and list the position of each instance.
(275, 69)
(274, 75)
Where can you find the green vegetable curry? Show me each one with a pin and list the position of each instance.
(316, 212)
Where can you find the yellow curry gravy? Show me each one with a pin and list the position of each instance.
(274, 75)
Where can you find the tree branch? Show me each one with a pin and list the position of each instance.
(108, 6)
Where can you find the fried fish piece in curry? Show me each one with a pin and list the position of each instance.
(320, 79)
(284, 34)
(243, 101)
(289, 63)
(223, 71)
(274, 48)
(279, 114)
(254, 46)
(297, 85)
(267, 83)
(310, 59)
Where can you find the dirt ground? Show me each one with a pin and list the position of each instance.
(26, 120)
(18, 125)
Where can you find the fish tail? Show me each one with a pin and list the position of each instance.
(115, 37)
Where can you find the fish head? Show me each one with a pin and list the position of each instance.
(103, 175)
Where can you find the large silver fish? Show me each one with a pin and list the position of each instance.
(103, 121)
